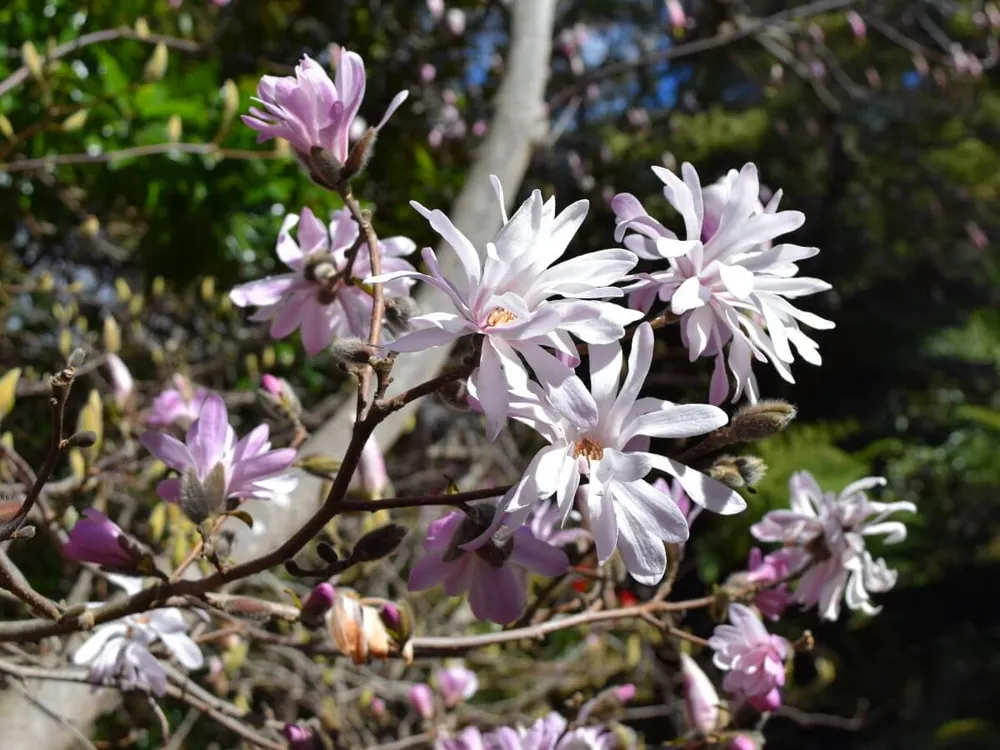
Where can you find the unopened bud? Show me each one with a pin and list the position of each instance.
(76, 358)
(316, 605)
(358, 158)
(701, 700)
(142, 28)
(25, 532)
(606, 705)
(327, 553)
(761, 420)
(175, 128)
(398, 313)
(357, 629)
(324, 168)
(379, 543)
(32, 60)
(156, 68)
(247, 608)
(230, 100)
(84, 439)
(351, 352)
(8, 391)
(319, 466)
(421, 698)
(112, 335)
(738, 471)
(6, 128)
(75, 121)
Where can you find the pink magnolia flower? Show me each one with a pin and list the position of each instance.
(625, 511)
(680, 498)
(372, 474)
(700, 698)
(753, 658)
(493, 572)
(725, 281)
(552, 732)
(508, 299)
(122, 384)
(215, 467)
(95, 538)
(317, 604)
(456, 684)
(831, 530)
(772, 600)
(178, 405)
(469, 738)
(315, 297)
(545, 523)
(299, 737)
(312, 112)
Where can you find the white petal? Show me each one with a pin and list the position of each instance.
(738, 280)
(93, 646)
(491, 385)
(687, 420)
(689, 295)
(604, 527)
(567, 393)
(702, 490)
(184, 649)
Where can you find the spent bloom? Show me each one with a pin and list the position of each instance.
(118, 651)
(831, 529)
(95, 538)
(122, 383)
(625, 510)
(313, 113)
(317, 296)
(492, 570)
(215, 467)
(754, 659)
(178, 405)
(523, 305)
(726, 282)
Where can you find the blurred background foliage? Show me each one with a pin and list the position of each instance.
(889, 141)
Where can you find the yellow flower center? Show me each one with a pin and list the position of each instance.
(500, 317)
(589, 449)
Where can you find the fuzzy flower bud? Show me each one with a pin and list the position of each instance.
(316, 605)
(761, 420)
(122, 383)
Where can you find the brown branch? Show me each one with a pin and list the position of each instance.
(20, 75)
(14, 581)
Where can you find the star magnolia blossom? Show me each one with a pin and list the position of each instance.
(118, 652)
(492, 570)
(701, 701)
(625, 511)
(177, 405)
(551, 732)
(248, 467)
(725, 281)
(315, 297)
(832, 529)
(456, 684)
(312, 112)
(509, 300)
(754, 659)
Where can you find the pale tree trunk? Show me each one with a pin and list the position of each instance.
(56, 716)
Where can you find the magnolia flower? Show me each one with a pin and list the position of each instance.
(701, 701)
(493, 570)
(772, 597)
(625, 511)
(680, 498)
(456, 684)
(508, 299)
(118, 651)
(316, 297)
(299, 737)
(468, 739)
(551, 732)
(372, 474)
(178, 405)
(95, 538)
(421, 697)
(754, 659)
(545, 523)
(312, 112)
(725, 281)
(214, 466)
(831, 529)
(316, 605)
(122, 384)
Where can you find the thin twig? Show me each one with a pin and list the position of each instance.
(204, 149)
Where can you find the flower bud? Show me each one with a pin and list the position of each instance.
(606, 705)
(378, 543)
(230, 100)
(357, 629)
(316, 605)
(700, 698)
(8, 391)
(95, 538)
(455, 18)
(421, 698)
(761, 420)
(322, 467)
(398, 312)
(372, 472)
(32, 60)
(75, 121)
(741, 742)
(156, 68)
(738, 471)
(351, 352)
(299, 737)
(323, 167)
(122, 383)
(456, 684)
(358, 158)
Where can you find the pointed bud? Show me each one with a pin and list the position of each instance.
(741, 742)
(83, 439)
(75, 121)
(230, 100)
(761, 420)
(32, 60)
(352, 352)
(322, 467)
(372, 473)
(421, 698)
(122, 383)
(156, 68)
(379, 543)
(142, 28)
(323, 167)
(359, 156)
(738, 471)
(398, 313)
(700, 697)
(112, 335)
(316, 605)
(175, 128)
(95, 538)
(6, 128)
(8, 391)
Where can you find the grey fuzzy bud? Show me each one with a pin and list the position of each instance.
(359, 156)
(379, 543)
(352, 351)
(761, 420)
(76, 358)
(323, 167)
(84, 439)
(398, 312)
(738, 471)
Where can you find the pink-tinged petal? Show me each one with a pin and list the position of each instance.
(545, 320)
(253, 442)
(666, 517)
(596, 322)
(564, 227)
(168, 449)
(426, 338)
(465, 250)
(287, 248)
(631, 216)
(253, 469)
(578, 275)
(798, 286)
(536, 555)
(212, 429)
(601, 512)
(680, 197)
(720, 381)
(313, 236)
(566, 392)
(492, 389)
(316, 328)
(441, 531)
(688, 296)
(94, 645)
(396, 103)
(640, 547)
(700, 698)
(288, 315)
(497, 594)
(669, 247)
(687, 420)
(623, 467)
(262, 292)
(169, 489)
(183, 649)
(427, 572)
(737, 280)
(702, 490)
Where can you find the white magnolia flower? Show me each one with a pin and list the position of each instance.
(119, 652)
(725, 281)
(523, 305)
(832, 528)
(625, 510)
